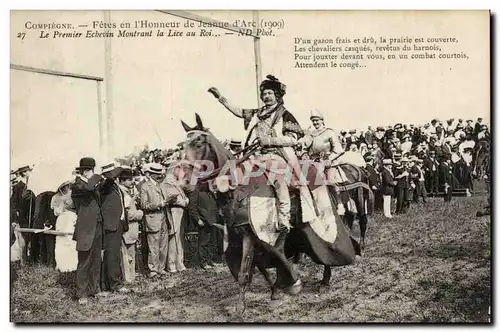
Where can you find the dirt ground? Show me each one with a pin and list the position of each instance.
(430, 265)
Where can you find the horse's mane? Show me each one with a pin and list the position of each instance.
(220, 154)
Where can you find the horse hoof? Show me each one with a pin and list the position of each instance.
(275, 303)
(323, 288)
(275, 296)
(240, 309)
(295, 289)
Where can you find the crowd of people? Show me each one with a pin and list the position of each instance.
(409, 162)
(110, 212)
(103, 216)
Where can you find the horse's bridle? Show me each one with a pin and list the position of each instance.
(247, 152)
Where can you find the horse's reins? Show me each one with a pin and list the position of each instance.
(248, 151)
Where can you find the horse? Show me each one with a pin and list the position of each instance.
(245, 248)
(357, 188)
(481, 159)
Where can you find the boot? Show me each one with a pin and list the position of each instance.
(335, 191)
(284, 205)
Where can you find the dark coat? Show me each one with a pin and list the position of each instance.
(477, 128)
(86, 197)
(202, 206)
(44, 215)
(388, 183)
(428, 163)
(378, 157)
(20, 201)
(416, 174)
(446, 174)
(373, 177)
(369, 137)
(403, 182)
(112, 206)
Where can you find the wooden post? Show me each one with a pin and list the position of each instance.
(256, 51)
(108, 72)
(99, 116)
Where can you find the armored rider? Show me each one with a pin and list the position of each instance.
(323, 145)
(278, 132)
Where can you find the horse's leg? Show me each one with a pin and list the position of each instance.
(325, 283)
(274, 290)
(246, 269)
(363, 220)
(363, 225)
(349, 219)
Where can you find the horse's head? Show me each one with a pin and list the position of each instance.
(202, 148)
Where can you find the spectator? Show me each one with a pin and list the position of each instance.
(88, 230)
(177, 201)
(387, 186)
(130, 237)
(66, 255)
(153, 204)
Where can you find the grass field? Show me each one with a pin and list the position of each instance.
(430, 265)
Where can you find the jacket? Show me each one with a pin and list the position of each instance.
(176, 202)
(134, 216)
(152, 197)
(23, 204)
(86, 197)
(113, 207)
(44, 215)
(388, 183)
(373, 176)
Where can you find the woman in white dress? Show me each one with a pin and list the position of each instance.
(66, 254)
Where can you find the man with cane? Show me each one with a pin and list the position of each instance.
(23, 205)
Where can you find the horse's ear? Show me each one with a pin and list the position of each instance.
(186, 127)
(199, 123)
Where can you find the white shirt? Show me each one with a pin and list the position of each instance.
(422, 178)
(465, 145)
(458, 133)
(406, 147)
(354, 158)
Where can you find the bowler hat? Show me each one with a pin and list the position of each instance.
(86, 163)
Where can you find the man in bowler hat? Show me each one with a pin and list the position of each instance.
(115, 223)
(88, 229)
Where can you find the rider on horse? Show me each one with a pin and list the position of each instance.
(323, 145)
(277, 132)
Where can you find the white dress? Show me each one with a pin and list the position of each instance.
(66, 254)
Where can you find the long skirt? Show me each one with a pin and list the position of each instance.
(66, 254)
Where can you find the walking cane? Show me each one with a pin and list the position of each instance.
(30, 241)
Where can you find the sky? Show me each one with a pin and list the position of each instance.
(157, 82)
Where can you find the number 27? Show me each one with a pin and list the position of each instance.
(21, 35)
